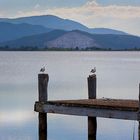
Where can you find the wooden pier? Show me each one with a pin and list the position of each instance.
(92, 107)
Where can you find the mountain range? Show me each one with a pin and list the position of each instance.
(10, 31)
(54, 22)
(76, 39)
(53, 32)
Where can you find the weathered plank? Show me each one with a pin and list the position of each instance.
(118, 104)
(119, 109)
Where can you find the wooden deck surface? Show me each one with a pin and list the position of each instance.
(100, 103)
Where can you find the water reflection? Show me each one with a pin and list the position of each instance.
(16, 116)
(92, 128)
(42, 127)
(103, 133)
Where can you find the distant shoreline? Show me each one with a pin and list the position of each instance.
(64, 49)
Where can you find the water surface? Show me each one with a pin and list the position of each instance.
(118, 76)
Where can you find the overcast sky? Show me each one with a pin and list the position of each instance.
(117, 14)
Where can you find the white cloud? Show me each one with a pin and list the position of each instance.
(91, 2)
(2, 14)
(93, 9)
(29, 13)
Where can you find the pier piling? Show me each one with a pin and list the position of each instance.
(92, 122)
(43, 96)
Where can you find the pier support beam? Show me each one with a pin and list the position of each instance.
(43, 96)
(92, 122)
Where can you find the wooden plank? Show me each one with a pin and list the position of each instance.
(86, 111)
(118, 104)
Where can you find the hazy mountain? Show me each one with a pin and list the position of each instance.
(49, 21)
(55, 22)
(80, 39)
(73, 39)
(10, 31)
(106, 31)
(3, 19)
(39, 40)
(118, 41)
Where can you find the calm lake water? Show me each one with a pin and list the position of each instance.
(118, 76)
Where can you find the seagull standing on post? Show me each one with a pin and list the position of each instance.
(42, 69)
(93, 71)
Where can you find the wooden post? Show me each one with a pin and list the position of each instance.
(139, 115)
(43, 96)
(92, 122)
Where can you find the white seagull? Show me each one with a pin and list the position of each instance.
(42, 69)
(93, 70)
